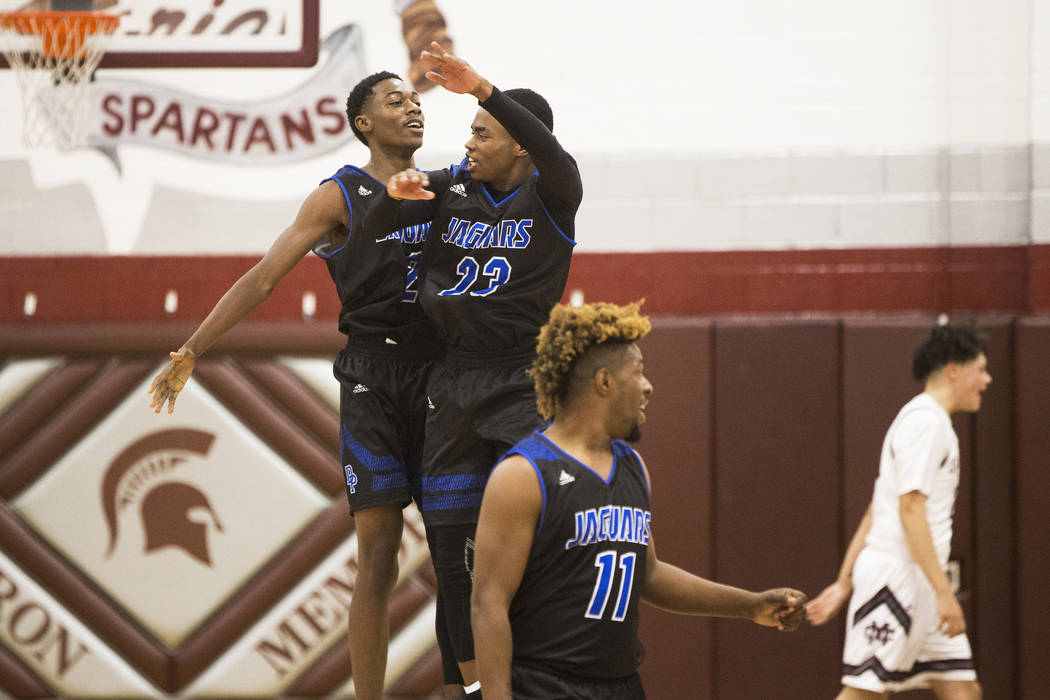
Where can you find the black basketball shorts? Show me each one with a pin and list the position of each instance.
(529, 683)
(382, 407)
(474, 415)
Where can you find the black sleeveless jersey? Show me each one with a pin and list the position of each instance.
(576, 611)
(493, 269)
(376, 277)
(495, 263)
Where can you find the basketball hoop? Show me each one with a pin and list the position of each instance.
(54, 55)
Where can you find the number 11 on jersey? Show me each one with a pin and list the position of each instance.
(605, 562)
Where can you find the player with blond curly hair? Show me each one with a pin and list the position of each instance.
(564, 548)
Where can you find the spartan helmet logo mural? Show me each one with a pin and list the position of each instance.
(145, 469)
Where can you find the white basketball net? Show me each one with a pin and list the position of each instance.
(53, 56)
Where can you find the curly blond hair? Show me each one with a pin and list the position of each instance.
(568, 335)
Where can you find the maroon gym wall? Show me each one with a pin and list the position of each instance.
(763, 434)
(762, 440)
(764, 463)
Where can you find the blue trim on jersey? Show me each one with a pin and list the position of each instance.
(505, 199)
(451, 501)
(346, 198)
(456, 167)
(350, 209)
(551, 219)
(371, 462)
(529, 448)
(560, 451)
(360, 172)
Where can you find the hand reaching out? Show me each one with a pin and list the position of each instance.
(169, 382)
(782, 608)
(453, 73)
(409, 184)
(827, 605)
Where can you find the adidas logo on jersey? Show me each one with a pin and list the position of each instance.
(459, 188)
(565, 478)
(362, 191)
(359, 388)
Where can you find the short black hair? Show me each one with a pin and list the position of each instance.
(946, 343)
(534, 102)
(355, 103)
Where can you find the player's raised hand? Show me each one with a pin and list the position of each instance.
(169, 382)
(783, 608)
(449, 71)
(409, 184)
(827, 605)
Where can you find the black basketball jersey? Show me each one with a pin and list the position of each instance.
(376, 277)
(495, 263)
(494, 268)
(576, 610)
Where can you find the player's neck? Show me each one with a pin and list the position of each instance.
(942, 393)
(581, 438)
(384, 163)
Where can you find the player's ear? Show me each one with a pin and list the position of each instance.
(603, 381)
(363, 123)
(950, 370)
(520, 152)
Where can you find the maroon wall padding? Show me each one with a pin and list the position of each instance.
(991, 572)
(676, 449)
(1039, 277)
(981, 278)
(776, 442)
(763, 439)
(876, 383)
(1033, 490)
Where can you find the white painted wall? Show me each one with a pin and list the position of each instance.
(773, 123)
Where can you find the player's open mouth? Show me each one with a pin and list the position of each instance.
(414, 125)
(471, 164)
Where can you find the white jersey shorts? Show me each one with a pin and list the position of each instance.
(892, 640)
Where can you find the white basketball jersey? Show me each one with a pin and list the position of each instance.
(920, 453)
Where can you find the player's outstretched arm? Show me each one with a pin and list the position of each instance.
(453, 73)
(827, 605)
(675, 590)
(321, 212)
(510, 510)
(409, 184)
